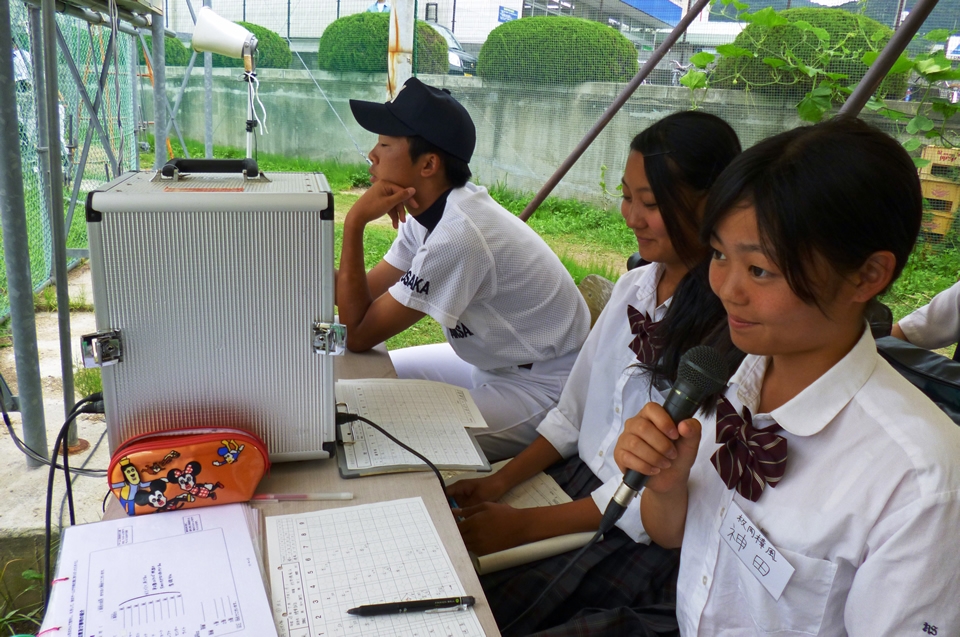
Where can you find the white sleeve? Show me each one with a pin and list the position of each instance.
(936, 324)
(404, 247)
(909, 583)
(445, 274)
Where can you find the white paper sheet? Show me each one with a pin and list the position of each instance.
(323, 563)
(428, 416)
(188, 572)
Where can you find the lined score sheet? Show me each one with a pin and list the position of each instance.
(428, 416)
(325, 562)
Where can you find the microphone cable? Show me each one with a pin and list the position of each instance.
(701, 373)
(346, 417)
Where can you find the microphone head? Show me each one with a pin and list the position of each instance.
(703, 370)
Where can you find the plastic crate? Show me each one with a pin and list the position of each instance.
(941, 204)
(944, 164)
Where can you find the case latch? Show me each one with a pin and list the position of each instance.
(101, 348)
(329, 338)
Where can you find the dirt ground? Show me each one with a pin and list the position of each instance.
(23, 490)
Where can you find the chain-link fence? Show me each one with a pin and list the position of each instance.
(88, 159)
(535, 75)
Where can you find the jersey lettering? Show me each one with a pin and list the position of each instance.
(415, 283)
(460, 331)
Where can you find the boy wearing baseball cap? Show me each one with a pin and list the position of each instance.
(513, 318)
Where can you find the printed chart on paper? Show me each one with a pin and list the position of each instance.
(326, 562)
(181, 573)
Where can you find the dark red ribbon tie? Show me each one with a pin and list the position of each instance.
(645, 343)
(750, 458)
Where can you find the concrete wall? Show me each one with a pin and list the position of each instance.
(523, 134)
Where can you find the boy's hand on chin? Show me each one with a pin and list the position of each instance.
(383, 198)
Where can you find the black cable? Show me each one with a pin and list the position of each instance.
(343, 418)
(556, 579)
(83, 406)
(30, 453)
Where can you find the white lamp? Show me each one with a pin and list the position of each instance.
(215, 34)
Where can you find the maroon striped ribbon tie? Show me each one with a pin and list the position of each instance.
(750, 459)
(645, 344)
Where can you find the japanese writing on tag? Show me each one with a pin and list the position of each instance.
(757, 553)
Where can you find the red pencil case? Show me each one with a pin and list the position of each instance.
(186, 468)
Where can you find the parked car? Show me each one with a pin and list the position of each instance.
(461, 62)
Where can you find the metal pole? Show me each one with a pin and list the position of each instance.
(39, 112)
(884, 62)
(338, 8)
(621, 99)
(135, 96)
(208, 93)
(17, 254)
(92, 109)
(58, 230)
(453, 19)
(288, 20)
(159, 93)
(896, 19)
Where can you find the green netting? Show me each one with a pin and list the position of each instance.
(87, 45)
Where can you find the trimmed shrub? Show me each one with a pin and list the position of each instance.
(174, 53)
(854, 33)
(556, 50)
(358, 43)
(273, 52)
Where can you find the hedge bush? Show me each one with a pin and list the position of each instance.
(556, 50)
(855, 32)
(175, 53)
(273, 52)
(359, 43)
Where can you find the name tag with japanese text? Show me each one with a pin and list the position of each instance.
(756, 552)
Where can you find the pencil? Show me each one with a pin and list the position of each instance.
(293, 497)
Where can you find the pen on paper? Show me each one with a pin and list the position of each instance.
(293, 497)
(422, 605)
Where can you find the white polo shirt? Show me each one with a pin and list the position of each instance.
(501, 294)
(936, 324)
(868, 513)
(605, 388)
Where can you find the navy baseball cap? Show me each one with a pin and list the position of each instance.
(422, 110)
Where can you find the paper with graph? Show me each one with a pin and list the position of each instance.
(189, 572)
(428, 416)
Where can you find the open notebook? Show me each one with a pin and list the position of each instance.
(540, 490)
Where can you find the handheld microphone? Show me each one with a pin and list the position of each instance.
(702, 372)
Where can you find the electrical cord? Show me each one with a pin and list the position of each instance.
(346, 417)
(96, 399)
(85, 405)
(549, 587)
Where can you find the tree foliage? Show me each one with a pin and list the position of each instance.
(273, 52)
(359, 43)
(556, 50)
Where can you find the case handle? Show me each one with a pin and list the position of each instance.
(183, 165)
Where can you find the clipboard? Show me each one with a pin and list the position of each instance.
(346, 437)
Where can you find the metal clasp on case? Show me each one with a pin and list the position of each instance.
(329, 338)
(101, 348)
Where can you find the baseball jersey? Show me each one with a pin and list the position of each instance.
(500, 293)
(936, 324)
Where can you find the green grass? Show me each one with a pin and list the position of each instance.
(933, 267)
(86, 381)
(19, 612)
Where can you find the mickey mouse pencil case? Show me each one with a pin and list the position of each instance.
(185, 468)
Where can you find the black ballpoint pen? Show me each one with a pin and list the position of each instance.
(418, 605)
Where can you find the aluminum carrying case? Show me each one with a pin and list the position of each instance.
(213, 295)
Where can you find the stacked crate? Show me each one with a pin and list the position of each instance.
(940, 181)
